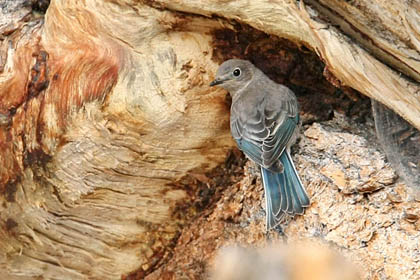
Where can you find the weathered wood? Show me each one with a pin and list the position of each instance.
(358, 209)
(107, 124)
(106, 105)
(363, 43)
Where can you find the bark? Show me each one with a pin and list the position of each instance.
(114, 150)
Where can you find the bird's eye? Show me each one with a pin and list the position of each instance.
(237, 72)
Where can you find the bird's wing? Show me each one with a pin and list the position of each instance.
(263, 128)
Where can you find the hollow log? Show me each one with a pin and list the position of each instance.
(116, 157)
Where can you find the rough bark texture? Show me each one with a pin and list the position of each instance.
(358, 209)
(116, 158)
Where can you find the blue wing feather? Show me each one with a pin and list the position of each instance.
(269, 150)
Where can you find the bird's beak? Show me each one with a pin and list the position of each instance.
(217, 81)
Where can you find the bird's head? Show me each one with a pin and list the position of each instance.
(233, 75)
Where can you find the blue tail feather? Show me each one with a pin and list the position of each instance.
(284, 192)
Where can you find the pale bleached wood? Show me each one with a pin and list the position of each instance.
(89, 159)
(127, 111)
(396, 40)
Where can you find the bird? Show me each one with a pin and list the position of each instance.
(264, 122)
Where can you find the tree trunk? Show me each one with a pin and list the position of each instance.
(116, 157)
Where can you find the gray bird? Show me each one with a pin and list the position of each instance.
(264, 122)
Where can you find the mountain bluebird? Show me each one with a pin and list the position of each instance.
(264, 122)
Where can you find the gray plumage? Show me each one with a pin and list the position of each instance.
(264, 122)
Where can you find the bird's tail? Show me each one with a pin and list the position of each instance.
(284, 192)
